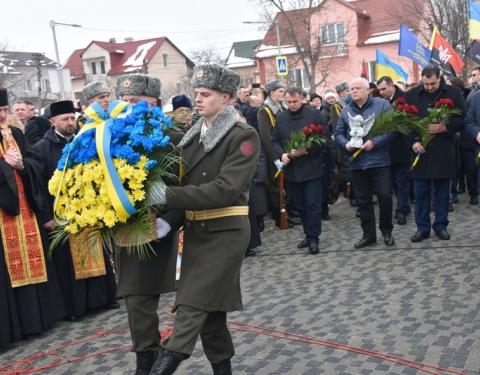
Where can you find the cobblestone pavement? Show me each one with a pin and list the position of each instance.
(417, 302)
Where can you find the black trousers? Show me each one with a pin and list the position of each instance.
(307, 199)
(471, 169)
(366, 181)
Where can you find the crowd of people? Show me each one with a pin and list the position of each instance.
(238, 172)
(382, 170)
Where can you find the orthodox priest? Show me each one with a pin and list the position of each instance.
(85, 273)
(29, 292)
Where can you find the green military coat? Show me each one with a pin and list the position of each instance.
(217, 174)
(147, 277)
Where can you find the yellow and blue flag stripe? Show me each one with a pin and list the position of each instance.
(474, 20)
(386, 67)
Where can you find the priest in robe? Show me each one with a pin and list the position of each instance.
(30, 297)
(83, 266)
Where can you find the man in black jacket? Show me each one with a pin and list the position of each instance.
(303, 168)
(437, 162)
(400, 154)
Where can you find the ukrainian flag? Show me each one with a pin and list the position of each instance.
(474, 20)
(386, 67)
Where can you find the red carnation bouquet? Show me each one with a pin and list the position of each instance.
(441, 112)
(401, 120)
(304, 139)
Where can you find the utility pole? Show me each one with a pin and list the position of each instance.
(38, 58)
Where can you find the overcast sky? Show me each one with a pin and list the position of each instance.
(190, 24)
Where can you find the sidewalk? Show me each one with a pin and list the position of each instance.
(419, 302)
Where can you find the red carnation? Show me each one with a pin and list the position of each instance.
(413, 110)
(307, 131)
(445, 102)
(401, 107)
(400, 100)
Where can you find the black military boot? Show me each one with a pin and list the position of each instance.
(145, 361)
(166, 363)
(222, 368)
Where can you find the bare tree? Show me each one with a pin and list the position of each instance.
(450, 16)
(296, 22)
(207, 55)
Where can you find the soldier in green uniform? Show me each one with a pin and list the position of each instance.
(220, 158)
(141, 282)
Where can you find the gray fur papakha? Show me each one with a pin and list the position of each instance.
(342, 86)
(215, 77)
(139, 84)
(96, 88)
(274, 85)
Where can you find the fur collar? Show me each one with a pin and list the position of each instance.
(274, 106)
(220, 127)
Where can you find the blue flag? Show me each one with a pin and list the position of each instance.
(411, 47)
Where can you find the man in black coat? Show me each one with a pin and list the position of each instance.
(437, 163)
(400, 154)
(303, 168)
(80, 293)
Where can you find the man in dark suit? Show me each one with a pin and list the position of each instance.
(437, 163)
(303, 168)
(400, 154)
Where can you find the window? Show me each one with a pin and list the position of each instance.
(46, 85)
(333, 33)
(298, 77)
(165, 60)
(102, 67)
(28, 85)
(94, 68)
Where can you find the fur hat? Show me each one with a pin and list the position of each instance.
(330, 94)
(62, 107)
(341, 87)
(274, 85)
(181, 101)
(139, 84)
(96, 88)
(215, 77)
(3, 97)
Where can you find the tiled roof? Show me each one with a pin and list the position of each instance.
(125, 57)
(10, 60)
(75, 64)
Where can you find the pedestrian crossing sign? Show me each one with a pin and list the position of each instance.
(282, 65)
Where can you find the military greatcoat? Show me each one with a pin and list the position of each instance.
(218, 171)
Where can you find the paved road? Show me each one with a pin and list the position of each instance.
(416, 302)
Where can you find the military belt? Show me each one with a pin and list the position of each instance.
(216, 213)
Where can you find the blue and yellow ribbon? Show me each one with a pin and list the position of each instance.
(100, 121)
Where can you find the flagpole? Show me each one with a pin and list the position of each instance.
(432, 39)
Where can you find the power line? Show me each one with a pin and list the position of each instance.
(165, 32)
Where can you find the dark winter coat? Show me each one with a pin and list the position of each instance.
(439, 160)
(400, 146)
(306, 167)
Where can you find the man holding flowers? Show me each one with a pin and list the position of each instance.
(303, 163)
(434, 146)
(371, 168)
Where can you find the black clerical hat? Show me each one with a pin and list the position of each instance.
(3, 97)
(62, 107)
